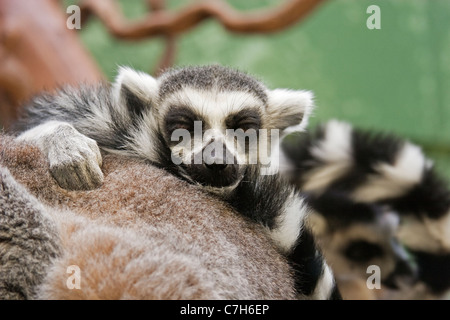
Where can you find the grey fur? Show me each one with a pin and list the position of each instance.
(29, 240)
(128, 238)
(208, 78)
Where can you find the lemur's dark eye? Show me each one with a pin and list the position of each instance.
(245, 119)
(363, 251)
(180, 123)
(248, 124)
(183, 124)
(180, 118)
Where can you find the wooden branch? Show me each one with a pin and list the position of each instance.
(166, 22)
(157, 5)
(168, 57)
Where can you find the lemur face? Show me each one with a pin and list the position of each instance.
(352, 248)
(218, 131)
(215, 121)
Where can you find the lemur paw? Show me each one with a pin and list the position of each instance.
(75, 160)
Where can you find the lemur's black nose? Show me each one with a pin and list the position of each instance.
(216, 166)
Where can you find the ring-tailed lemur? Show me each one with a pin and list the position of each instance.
(354, 236)
(144, 117)
(376, 199)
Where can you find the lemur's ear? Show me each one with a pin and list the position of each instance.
(134, 89)
(289, 110)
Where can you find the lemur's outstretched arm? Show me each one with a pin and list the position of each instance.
(74, 158)
(71, 125)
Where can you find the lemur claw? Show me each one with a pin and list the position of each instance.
(75, 160)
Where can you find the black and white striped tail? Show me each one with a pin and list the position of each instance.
(274, 203)
(364, 167)
(314, 278)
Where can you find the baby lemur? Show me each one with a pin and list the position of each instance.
(212, 126)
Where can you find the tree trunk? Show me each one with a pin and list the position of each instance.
(38, 52)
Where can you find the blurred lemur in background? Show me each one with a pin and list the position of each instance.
(140, 116)
(376, 200)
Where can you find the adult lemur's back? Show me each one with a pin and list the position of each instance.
(198, 123)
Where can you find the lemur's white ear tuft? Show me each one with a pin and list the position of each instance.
(289, 110)
(137, 90)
